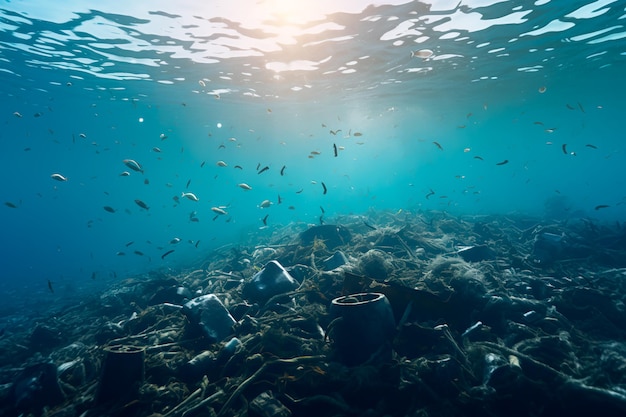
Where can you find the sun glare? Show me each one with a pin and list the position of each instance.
(293, 12)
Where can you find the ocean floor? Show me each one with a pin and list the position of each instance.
(481, 316)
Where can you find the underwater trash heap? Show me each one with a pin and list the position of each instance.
(407, 315)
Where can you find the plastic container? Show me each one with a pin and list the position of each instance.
(122, 373)
(209, 314)
(270, 281)
(363, 328)
(335, 261)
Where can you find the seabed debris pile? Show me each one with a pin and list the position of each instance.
(393, 314)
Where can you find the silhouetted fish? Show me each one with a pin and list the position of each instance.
(142, 204)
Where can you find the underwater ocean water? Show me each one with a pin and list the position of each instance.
(273, 113)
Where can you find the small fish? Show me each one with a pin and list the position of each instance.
(357, 134)
(93, 275)
(335, 149)
(601, 206)
(422, 53)
(300, 190)
(132, 164)
(437, 144)
(429, 194)
(82, 135)
(291, 208)
(265, 168)
(238, 167)
(218, 211)
(129, 243)
(479, 157)
(120, 253)
(265, 220)
(197, 243)
(125, 174)
(258, 166)
(202, 164)
(146, 181)
(265, 203)
(175, 241)
(325, 189)
(580, 106)
(157, 150)
(222, 146)
(282, 170)
(564, 148)
(550, 130)
(221, 164)
(188, 182)
(142, 204)
(244, 186)
(50, 286)
(506, 161)
(109, 209)
(589, 145)
(316, 153)
(334, 132)
(58, 177)
(17, 114)
(162, 136)
(9, 204)
(322, 208)
(138, 252)
(167, 253)
(190, 196)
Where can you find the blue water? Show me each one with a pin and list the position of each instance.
(88, 84)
